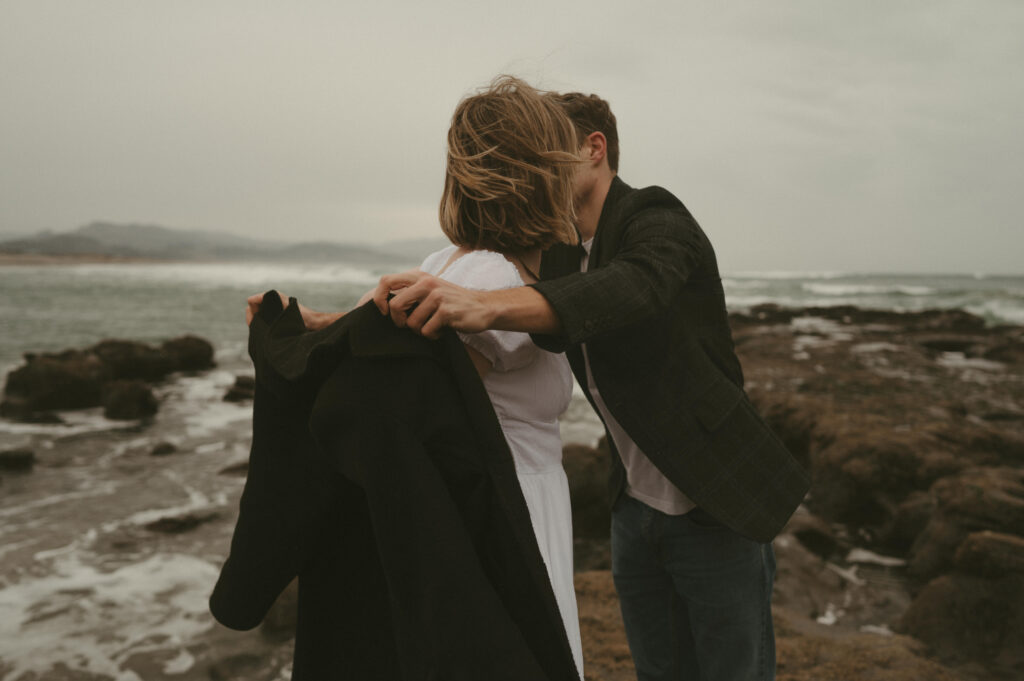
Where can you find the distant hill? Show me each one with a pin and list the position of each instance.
(163, 243)
(63, 244)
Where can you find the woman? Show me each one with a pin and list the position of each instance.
(508, 196)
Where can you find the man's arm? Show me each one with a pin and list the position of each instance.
(425, 304)
(660, 248)
(659, 251)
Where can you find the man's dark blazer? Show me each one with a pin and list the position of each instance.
(651, 310)
(379, 476)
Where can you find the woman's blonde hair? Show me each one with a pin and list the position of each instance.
(509, 183)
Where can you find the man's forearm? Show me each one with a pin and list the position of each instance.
(521, 309)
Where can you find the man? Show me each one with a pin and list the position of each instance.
(699, 485)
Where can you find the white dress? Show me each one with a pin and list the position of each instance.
(529, 389)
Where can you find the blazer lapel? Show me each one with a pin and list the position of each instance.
(560, 260)
(609, 226)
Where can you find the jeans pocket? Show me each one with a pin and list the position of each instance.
(701, 518)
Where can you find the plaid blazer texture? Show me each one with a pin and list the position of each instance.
(651, 310)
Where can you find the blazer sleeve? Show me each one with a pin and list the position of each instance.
(661, 247)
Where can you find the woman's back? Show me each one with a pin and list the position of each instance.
(529, 389)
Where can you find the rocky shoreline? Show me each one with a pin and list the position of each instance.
(912, 426)
(114, 374)
(906, 560)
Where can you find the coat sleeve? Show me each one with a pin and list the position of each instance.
(283, 512)
(661, 247)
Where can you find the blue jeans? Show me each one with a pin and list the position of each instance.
(695, 596)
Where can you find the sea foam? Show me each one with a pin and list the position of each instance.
(92, 622)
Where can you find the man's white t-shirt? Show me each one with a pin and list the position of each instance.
(643, 479)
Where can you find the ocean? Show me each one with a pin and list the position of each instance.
(53, 307)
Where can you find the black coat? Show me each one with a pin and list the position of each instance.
(651, 311)
(380, 477)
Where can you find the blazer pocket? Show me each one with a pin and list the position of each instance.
(717, 403)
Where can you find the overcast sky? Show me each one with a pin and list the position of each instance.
(803, 135)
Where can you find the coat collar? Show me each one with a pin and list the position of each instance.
(373, 335)
(292, 352)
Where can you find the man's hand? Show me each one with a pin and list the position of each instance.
(252, 307)
(312, 319)
(425, 304)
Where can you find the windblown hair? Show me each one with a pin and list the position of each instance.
(590, 113)
(509, 183)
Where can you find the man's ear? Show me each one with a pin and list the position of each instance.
(598, 146)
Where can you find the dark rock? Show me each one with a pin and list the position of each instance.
(163, 449)
(240, 469)
(813, 533)
(181, 523)
(77, 379)
(792, 418)
(949, 343)
(938, 464)
(932, 552)
(982, 443)
(591, 554)
(1010, 352)
(990, 554)
(67, 380)
(128, 400)
(280, 621)
(1002, 415)
(957, 321)
(189, 353)
(587, 470)
(17, 460)
(133, 360)
(243, 389)
(963, 617)
(974, 500)
(909, 521)
(860, 478)
(993, 498)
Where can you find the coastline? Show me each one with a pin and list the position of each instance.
(77, 259)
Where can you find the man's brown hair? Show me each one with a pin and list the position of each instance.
(590, 113)
(512, 152)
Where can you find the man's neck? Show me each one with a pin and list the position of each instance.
(588, 211)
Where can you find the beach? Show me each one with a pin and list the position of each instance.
(903, 395)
